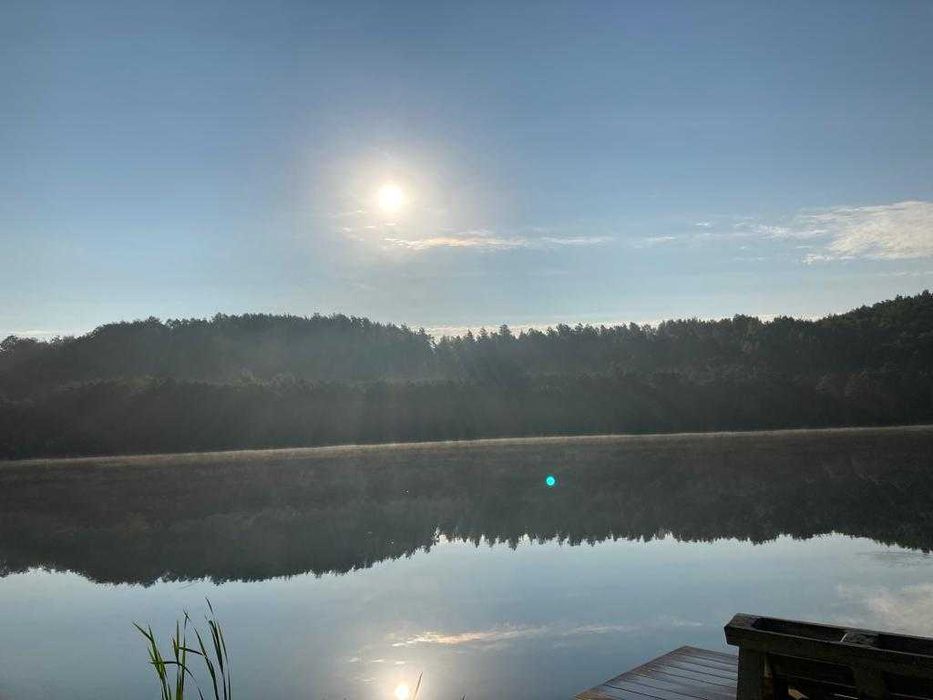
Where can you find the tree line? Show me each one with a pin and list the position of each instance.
(264, 381)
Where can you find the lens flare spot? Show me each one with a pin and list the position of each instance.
(550, 481)
(402, 691)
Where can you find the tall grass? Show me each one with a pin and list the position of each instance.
(173, 672)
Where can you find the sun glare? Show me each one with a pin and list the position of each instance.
(391, 198)
(402, 692)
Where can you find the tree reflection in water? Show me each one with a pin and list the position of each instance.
(255, 515)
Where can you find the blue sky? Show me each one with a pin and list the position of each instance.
(560, 161)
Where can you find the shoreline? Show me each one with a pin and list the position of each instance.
(293, 453)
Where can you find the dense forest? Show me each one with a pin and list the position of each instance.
(264, 381)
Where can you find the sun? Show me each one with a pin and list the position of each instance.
(402, 692)
(391, 198)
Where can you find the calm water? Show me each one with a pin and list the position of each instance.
(341, 574)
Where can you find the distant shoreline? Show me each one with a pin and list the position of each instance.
(294, 453)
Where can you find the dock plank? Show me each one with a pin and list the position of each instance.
(661, 682)
(675, 672)
(677, 683)
(702, 669)
(703, 665)
(705, 659)
(686, 673)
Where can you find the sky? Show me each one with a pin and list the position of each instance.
(555, 162)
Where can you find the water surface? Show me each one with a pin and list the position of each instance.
(341, 573)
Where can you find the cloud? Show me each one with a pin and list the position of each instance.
(480, 637)
(786, 232)
(490, 241)
(899, 558)
(652, 241)
(908, 610)
(477, 241)
(899, 231)
(740, 232)
(349, 214)
(500, 635)
(898, 273)
(576, 240)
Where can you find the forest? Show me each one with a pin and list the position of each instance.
(258, 380)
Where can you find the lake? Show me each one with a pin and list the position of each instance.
(344, 572)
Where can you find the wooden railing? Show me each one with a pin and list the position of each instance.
(781, 659)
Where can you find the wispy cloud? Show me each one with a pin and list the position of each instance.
(898, 273)
(478, 241)
(800, 231)
(479, 637)
(491, 241)
(575, 240)
(653, 241)
(899, 558)
(739, 232)
(898, 231)
(501, 635)
(348, 214)
(908, 609)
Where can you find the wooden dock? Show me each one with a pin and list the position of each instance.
(784, 660)
(687, 673)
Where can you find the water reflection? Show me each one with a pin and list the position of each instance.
(245, 516)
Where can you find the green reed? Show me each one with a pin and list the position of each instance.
(174, 671)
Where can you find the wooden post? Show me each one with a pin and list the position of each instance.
(751, 675)
(869, 683)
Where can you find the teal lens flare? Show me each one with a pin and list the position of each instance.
(550, 481)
